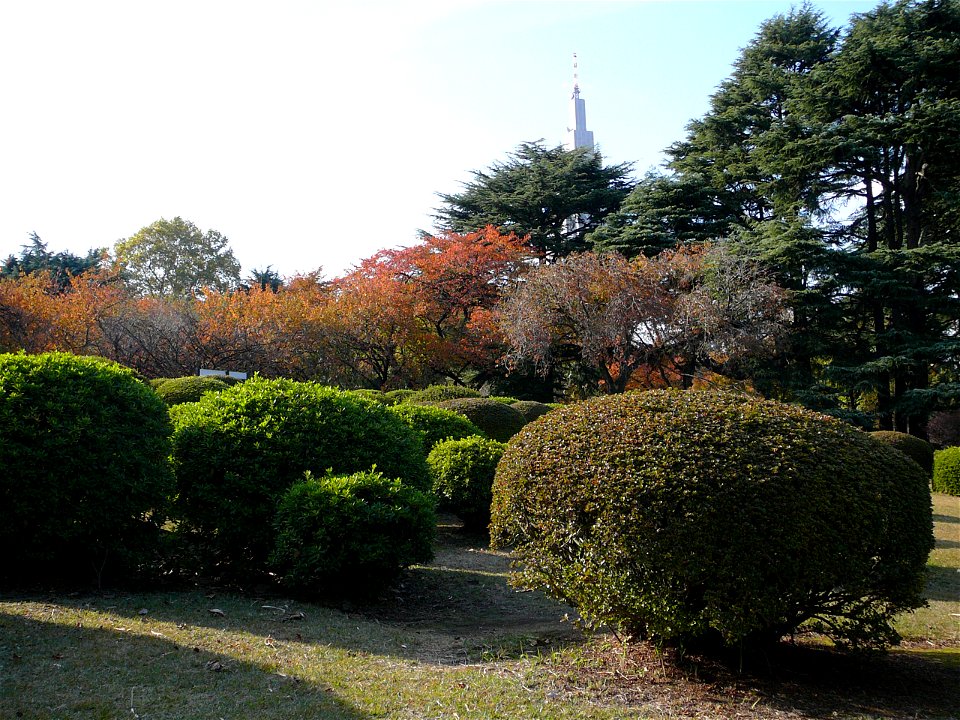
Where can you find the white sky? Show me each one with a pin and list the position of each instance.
(313, 134)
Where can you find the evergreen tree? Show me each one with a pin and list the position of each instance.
(35, 257)
(536, 193)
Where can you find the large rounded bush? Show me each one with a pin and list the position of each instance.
(235, 453)
(84, 470)
(946, 471)
(189, 389)
(435, 424)
(499, 421)
(531, 409)
(463, 472)
(439, 393)
(350, 536)
(917, 449)
(698, 516)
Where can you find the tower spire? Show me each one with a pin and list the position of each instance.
(577, 134)
(576, 79)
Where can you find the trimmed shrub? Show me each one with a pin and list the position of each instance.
(375, 395)
(505, 399)
(531, 409)
(701, 517)
(393, 397)
(434, 424)
(189, 389)
(497, 420)
(917, 449)
(85, 478)
(439, 393)
(237, 452)
(350, 536)
(463, 473)
(946, 471)
(157, 382)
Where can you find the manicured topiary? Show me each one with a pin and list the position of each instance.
(435, 424)
(189, 389)
(237, 452)
(499, 421)
(946, 471)
(699, 517)
(531, 409)
(84, 471)
(157, 382)
(439, 393)
(350, 536)
(393, 397)
(463, 473)
(917, 449)
(375, 395)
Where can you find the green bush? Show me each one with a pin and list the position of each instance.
(705, 517)
(917, 449)
(393, 397)
(375, 395)
(434, 424)
(189, 389)
(157, 382)
(531, 409)
(505, 399)
(439, 393)
(497, 420)
(235, 453)
(350, 536)
(85, 477)
(463, 473)
(946, 471)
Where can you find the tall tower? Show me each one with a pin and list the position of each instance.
(577, 135)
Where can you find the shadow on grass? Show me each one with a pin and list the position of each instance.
(940, 518)
(458, 609)
(791, 681)
(48, 669)
(943, 583)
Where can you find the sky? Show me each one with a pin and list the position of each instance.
(313, 134)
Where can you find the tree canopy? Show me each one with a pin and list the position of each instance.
(35, 257)
(174, 258)
(552, 196)
(835, 159)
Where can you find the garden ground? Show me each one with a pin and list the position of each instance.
(452, 640)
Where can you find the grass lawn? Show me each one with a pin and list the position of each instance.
(453, 641)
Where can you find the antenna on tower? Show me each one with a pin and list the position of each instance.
(576, 79)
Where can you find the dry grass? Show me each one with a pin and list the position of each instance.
(453, 641)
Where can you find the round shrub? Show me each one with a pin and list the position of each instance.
(157, 382)
(505, 399)
(434, 424)
(235, 453)
(463, 473)
(189, 389)
(531, 409)
(350, 536)
(499, 421)
(946, 471)
(439, 393)
(393, 397)
(375, 395)
(84, 471)
(917, 449)
(704, 517)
